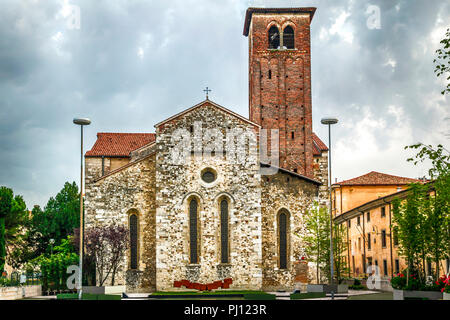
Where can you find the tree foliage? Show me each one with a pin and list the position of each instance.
(14, 219)
(423, 220)
(442, 62)
(106, 245)
(317, 243)
(58, 220)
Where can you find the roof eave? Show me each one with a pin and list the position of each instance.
(251, 10)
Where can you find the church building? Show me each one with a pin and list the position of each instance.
(213, 195)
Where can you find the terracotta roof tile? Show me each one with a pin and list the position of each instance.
(318, 145)
(377, 178)
(119, 144)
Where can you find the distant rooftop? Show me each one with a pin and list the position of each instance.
(114, 144)
(377, 178)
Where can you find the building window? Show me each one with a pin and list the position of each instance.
(208, 175)
(359, 244)
(383, 211)
(358, 221)
(133, 225)
(397, 266)
(385, 268)
(224, 231)
(274, 38)
(349, 223)
(383, 238)
(270, 74)
(193, 235)
(292, 135)
(369, 245)
(288, 38)
(376, 263)
(282, 236)
(368, 216)
(369, 261)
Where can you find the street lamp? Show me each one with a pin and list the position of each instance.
(52, 242)
(329, 122)
(81, 122)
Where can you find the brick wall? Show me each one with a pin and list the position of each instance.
(280, 88)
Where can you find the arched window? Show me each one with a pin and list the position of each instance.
(193, 235)
(282, 238)
(274, 38)
(133, 224)
(224, 230)
(288, 38)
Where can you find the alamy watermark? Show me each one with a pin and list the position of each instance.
(374, 19)
(237, 146)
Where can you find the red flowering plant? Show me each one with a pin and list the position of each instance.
(443, 284)
(398, 281)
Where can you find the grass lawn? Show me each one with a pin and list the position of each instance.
(373, 296)
(88, 296)
(308, 295)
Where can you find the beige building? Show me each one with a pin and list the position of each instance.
(364, 205)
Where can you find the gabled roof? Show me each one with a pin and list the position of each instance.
(208, 102)
(372, 204)
(318, 145)
(377, 178)
(114, 144)
(250, 11)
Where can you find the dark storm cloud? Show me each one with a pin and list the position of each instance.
(134, 63)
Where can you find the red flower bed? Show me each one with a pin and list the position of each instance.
(225, 284)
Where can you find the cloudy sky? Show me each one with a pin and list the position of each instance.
(130, 64)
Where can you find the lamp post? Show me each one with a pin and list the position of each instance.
(52, 242)
(329, 122)
(81, 122)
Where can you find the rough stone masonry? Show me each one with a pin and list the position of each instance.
(211, 217)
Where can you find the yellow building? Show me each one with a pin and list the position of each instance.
(364, 204)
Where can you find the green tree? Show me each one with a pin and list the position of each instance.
(410, 223)
(317, 239)
(340, 247)
(58, 220)
(16, 224)
(435, 205)
(6, 196)
(442, 62)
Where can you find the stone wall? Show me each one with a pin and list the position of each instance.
(320, 167)
(113, 198)
(177, 184)
(284, 191)
(13, 293)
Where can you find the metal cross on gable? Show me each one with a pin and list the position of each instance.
(207, 90)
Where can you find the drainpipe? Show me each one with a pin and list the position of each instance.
(348, 248)
(390, 236)
(364, 241)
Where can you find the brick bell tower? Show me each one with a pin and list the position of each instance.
(280, 80)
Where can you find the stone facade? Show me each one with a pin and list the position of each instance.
(177, 184)
(157, 181)
(284, 191)
(113, 197)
